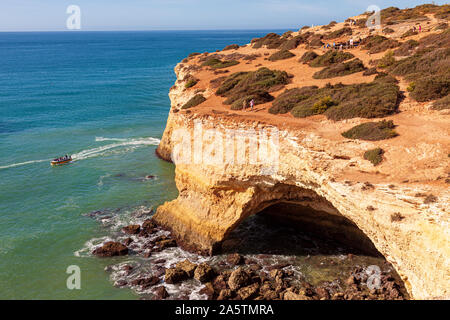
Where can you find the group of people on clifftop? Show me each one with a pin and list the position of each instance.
(251, 104)
(351, 43)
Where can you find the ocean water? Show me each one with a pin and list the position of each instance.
(102, 97)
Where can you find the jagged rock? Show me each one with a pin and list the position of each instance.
(225, 294)
(161, 293)
(204, 272)
(219, 283)
(249, 291)
(120, 283)
(208, 290)
(351, 280)
(235, 259)
(175, 275)
(132, 229)
(322, 293)
(188, 267)
(111, 249)
(276, 273)
(149, 225)
(127, 241)
(238, 279)
(164, 244)
(291, 295)
(146, 282)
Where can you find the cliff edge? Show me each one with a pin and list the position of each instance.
(350, 142)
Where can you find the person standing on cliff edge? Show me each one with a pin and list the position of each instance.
(252, 103)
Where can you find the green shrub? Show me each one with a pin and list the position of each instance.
(340, 69)
(315, 41)
(409, 33)
(393, 14)
(375, 156)
(428, 68)
(281, 55)
(443, 12)
(219, 64)
(435, 41)
(308, 57)
(422, 64)
(377, 43)
(194, 101)
(242, 84)
(387, 60)
(289, 98)
(190, 82)
(339, 33)
(331, 57)
(293, 42)
(372, 131)
(406, 48)
(376, 99)
(441, 104)
(441, 26)
(361, 23)
(370, 72)
(366, 100)
(431, 88)
(388, 30)
(231, 47)
(411, 87)
(271, 40)
(323, 104)
(193, 54)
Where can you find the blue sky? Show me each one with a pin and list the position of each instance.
(50, 15)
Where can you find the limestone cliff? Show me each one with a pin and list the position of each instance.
(320, 182)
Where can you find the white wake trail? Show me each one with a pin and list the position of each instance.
(23, 163)
(99, 151)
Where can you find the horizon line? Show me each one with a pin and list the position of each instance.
(145, 30)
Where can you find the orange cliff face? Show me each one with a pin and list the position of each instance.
(231, 164)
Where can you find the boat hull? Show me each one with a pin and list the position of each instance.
(57, 163)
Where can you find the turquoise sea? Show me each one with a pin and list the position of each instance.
(102, 97)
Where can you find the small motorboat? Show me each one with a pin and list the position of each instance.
(61, 160)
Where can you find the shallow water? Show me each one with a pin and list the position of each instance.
(318, 261)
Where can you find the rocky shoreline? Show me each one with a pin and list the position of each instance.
(234, 278)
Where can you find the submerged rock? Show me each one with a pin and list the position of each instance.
(132, 229)
(161, 293)
(111, 249)
(146, 282)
